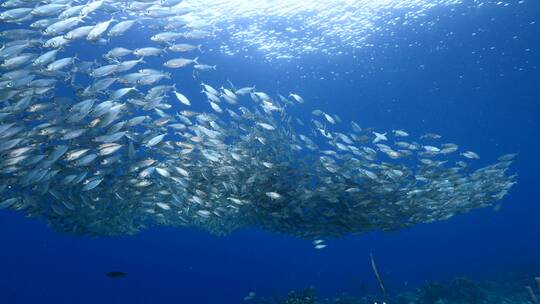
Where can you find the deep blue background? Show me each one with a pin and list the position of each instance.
(480, 91)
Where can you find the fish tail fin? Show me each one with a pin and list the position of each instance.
(196, 60)
(232, 85)
(199, 47)
(71, 77)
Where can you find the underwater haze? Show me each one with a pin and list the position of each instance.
(189, 151)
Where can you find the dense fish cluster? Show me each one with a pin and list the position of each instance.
(291, 29)
(107, 144)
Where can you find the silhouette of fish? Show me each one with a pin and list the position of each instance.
(116, 274)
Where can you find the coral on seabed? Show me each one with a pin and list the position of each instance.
(455, 291)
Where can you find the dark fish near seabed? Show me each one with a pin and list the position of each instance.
(116, 274)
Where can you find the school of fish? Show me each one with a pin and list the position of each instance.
(106, 144)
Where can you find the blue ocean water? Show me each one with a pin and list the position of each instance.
(472, 75)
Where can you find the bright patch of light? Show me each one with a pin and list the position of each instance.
(290, 28)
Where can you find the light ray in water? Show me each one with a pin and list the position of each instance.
(286, 29)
